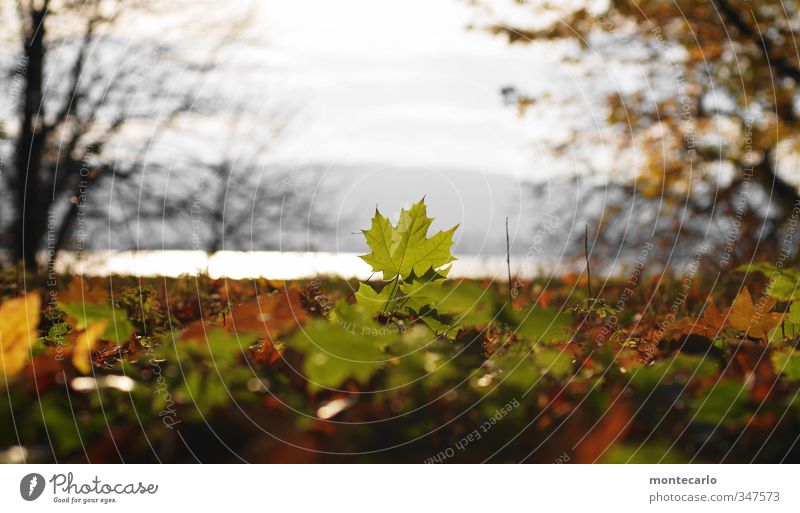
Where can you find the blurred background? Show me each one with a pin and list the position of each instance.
(280, 125)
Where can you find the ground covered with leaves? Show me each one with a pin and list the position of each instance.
(410, 366)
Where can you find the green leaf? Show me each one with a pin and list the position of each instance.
(422, 361)
(370, 301)
(413, 297)
(468, 303)
(539, 324)
(679, 369)
(790, 327)
(440, 324)
(346, 346)
(379, 239)
(57, 332)
(412, 246)
(118, 328)
(421, 291)
(208, 371)
(758, 267)
(516, 369)
(784, 283)
(61, 425)
(785, 287)
(415, 264)
(552, 362)
(399, 250)
(642, 453)
(722, 403)
(787, 364)
(219, 351)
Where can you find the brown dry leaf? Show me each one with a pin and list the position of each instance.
(19, 319)
(270, 315)
(609, 429)
(43, 372)
(197, 330)
(83, 345)
(754, 320)
(753, 362)
(80, 290)
(235, 291)
(709, 325)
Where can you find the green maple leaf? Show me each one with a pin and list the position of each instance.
(370, 301)
(440, 325)
(406, 248)
(419, 291)
(379, 239)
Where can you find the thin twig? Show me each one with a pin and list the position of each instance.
(588, 268)
(508, 265)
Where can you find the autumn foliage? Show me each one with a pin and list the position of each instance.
(403, 368)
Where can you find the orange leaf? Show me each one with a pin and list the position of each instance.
(196, 330)
(270, 316)
(754, 320)
(269, 354)
(709, 325)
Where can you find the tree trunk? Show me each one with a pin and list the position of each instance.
(31, 219)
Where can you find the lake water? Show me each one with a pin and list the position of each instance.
(268, 264)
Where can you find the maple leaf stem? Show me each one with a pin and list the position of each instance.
(391, 295)
(400, 305)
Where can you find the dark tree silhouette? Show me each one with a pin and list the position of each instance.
(81, 85)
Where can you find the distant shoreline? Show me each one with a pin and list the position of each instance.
(274, 265)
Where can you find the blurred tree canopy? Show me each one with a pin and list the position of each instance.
(705, 138)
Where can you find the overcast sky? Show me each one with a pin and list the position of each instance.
(391, 101)
(400, 83)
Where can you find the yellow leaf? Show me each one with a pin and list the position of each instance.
(19, 319)
(754, 320)
(85, 343)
